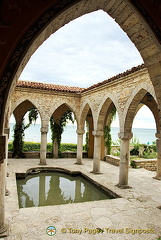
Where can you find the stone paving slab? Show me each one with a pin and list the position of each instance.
(133, 216)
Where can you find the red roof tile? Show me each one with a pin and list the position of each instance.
(126, 73)
(61, 88)
(46, 86)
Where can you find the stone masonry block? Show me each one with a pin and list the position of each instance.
(122, 18)
(117, 9)
(109, 5)
(2, 148)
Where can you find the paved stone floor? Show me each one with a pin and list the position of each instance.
(134, 216)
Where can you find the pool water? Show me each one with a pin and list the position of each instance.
(56, 188)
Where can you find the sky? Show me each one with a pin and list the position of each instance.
(86, 51)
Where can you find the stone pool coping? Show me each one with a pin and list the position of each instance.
(33, 171)
(137, 209)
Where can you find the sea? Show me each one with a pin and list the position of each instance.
(32, 134)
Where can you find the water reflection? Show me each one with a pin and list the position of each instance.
(55, 188)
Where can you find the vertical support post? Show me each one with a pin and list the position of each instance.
(44, 131)
(158, 145)
(77, 191)
(42, 190)
(6, 132)
(124, 159)
(2, 184)
(97, 151)
(55, 149)
(102, 148)
(79, 146)
(91, 137)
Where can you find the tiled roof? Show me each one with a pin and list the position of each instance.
(61, 88)
(46, 86)
(126, 73)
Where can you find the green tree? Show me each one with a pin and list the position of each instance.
(58, 128)
(19, 129)
(107, 131)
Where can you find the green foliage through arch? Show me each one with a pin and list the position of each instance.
(107, 131)
(58, 128)
(19, 129)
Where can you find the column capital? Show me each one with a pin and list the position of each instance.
(98, 133)
(125, 135)
(7, 131)
(2, 148)
(44, 129)
(80, 132)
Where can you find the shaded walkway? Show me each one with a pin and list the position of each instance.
(137, 209)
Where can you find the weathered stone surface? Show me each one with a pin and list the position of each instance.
(121, 90)
(133, 210)
(2, 148)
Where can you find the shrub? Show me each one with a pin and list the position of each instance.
(133, 164)
(32, 146)
(135, 143)
(135, 150)
(68, 147)
(149, 151)
(10, 146)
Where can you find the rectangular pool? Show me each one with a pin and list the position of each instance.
(56, 188)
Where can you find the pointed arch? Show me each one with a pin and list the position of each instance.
(19, 110)
(142, 97)
(22, 100)
(86, 110)
(61, 108)
(107, 104)
(124, 13)
(87, 115)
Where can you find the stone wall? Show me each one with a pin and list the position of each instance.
(36, 154)
(112, 160)
(120, 91)
(149, 164)
(46, 101)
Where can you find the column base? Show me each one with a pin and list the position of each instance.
(157, 177)
(123, 186)
(96, 172)
(77, 163)
(42, 164)
(3, 232)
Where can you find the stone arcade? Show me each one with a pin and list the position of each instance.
(127, 92)
(24, 26)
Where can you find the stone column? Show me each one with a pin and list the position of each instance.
(97, 151)
(79, 146)
(42, 190)
(124, 159)
(2, 184)
(158, 145)
(91, 137)
(77, 191)
(6, 132)
(103, 154)
(44, 131)
(55, 149)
